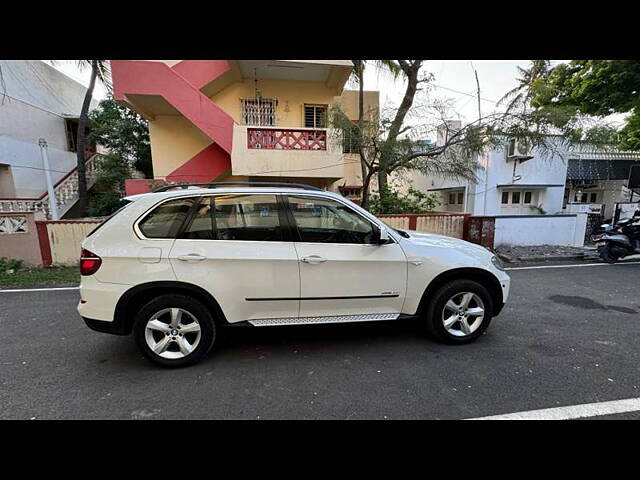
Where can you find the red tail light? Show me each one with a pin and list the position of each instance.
(89, 262)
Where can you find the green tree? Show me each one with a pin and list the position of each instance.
(124, 133)
(109, 186)
(591, 88)
(389, 200)
(100, 70)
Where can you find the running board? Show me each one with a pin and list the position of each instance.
(370, 317)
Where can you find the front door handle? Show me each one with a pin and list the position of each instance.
(191, 257)
(314, 259)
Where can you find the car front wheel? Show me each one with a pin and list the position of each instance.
(174, 330)
(459, 312)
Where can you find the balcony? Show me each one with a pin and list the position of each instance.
(286, 139)
(286, 152)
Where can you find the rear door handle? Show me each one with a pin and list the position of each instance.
(191, 257)
(314, 259)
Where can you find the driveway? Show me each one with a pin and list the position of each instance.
(568, 336)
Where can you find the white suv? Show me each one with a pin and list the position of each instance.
(175, 266)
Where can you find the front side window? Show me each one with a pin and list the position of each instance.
(505, 197)
(166, 219)
(322, 220)
(236, 217)
(515, 197)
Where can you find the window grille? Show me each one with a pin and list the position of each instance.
(259, 111)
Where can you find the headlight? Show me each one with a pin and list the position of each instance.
(497, 263)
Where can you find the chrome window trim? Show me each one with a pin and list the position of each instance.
(141, 236)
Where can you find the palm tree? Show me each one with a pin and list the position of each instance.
(99, 70)
(358, 72)
(520, 97)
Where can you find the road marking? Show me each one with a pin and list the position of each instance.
(38, 289)
(573, 265)
(574, 411)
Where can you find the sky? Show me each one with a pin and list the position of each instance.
(454, 80)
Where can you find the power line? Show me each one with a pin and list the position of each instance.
(38, 168)
(464, 93)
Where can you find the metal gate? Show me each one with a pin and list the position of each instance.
(480, 230)
(594, 220)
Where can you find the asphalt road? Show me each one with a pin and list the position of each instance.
(568, 336)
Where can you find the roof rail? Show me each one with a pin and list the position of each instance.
(246, 184)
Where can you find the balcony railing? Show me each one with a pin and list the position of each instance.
(268, 138)
(66, 192)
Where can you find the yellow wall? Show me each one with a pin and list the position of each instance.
(175, 140)
(291, 96)
(349, 104)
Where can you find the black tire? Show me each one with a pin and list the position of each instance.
(607, 255)
(190, 305)
(436, 306)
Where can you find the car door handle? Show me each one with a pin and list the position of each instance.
(313, 259)
(191, 257)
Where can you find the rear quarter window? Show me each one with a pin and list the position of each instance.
(165, 220)
(124, 204)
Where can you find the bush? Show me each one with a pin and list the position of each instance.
(109, 186)
(389, 200)
(10, 264)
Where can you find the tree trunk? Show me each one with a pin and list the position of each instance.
(81, 141)
(411, 73)
(363, 165)
(366, 181)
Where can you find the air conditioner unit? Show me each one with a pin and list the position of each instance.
(518, 150)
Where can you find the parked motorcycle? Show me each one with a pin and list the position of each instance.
(620, 240)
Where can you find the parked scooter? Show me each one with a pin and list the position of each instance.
(619, 240)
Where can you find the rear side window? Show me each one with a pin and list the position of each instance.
(123, 204)
(236, 217)
(165, 220)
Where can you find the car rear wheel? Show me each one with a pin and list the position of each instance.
(174, 330)
(459, 312)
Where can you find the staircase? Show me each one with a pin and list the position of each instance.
(66, 193)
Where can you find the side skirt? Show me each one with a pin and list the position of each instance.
(372, 317)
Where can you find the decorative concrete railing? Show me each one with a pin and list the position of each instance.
(273, 138)
(605, 155)
(66, 192)
(13, 225)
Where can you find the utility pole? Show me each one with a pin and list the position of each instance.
(478, 84)
(53, 204)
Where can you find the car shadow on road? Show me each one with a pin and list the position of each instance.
(326, 334)
(252, 343)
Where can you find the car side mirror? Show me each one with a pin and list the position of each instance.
(381, 236)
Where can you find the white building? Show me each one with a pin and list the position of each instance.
(534, 182)
(37, 101)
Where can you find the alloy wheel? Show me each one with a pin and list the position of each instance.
(463, 314)
(172, 333)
